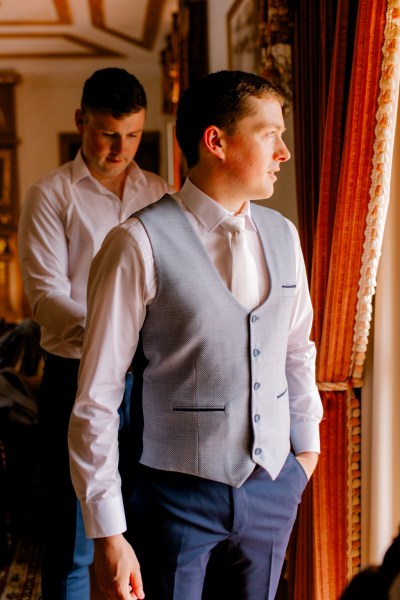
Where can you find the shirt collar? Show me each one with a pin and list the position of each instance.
(79, 168)
(80, 171)
(206, 210)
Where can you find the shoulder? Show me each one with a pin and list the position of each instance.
(55, 177)
(51, 183)
(49, 192)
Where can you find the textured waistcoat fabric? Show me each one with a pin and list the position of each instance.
(215, 397)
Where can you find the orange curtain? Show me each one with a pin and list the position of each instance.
(326, 546)
(316, 26)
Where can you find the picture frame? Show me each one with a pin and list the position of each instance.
(69, 144)
(177, 169)
(243, 34)
(5, 176)
(173, 157)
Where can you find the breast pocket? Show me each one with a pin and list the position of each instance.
(288, 289)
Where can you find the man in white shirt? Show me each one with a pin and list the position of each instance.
(64, 220)
(229, 383)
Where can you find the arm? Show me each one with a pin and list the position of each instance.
(118, 293)
(43, 253)
(305, 403)
(308, 461)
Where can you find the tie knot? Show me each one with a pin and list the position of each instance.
(234, 224)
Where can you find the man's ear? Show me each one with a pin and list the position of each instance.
(212, 141)
(79, 119)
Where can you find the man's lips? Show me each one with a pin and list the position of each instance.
(272, 175)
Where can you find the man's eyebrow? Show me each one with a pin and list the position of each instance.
(106, 130)
(273, 125)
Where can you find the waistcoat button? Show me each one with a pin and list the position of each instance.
(256, 352)
(254, 318)
(257, 385)
(257, 451)
(257, 418)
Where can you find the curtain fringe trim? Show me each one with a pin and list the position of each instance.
(340, 386)
(375, 223)
(380, 184)
(353, 485)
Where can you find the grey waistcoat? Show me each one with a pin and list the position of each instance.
(215, 397)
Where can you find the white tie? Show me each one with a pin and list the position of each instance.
(244, 283)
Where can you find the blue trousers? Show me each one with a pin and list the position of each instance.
(177, 521)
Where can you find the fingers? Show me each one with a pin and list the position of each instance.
(137, 587)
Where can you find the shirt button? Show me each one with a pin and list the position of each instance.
(254, 318)
(257, 385)
(257, 451)
(256, 352)
(257, 418)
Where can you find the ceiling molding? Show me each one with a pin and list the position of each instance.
(62, 10)
(119, 28)
(80, 48)
(150, 26)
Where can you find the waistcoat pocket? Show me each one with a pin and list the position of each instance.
(198, 409)
(288, 289)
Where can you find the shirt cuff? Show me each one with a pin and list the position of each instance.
(104, 518)
(304, 437)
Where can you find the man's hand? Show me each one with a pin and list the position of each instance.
(308, 461)
(117, 569)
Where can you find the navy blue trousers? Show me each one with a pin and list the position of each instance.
(177, 521)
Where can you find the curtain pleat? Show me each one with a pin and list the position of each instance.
(312, 48)
(334, 227)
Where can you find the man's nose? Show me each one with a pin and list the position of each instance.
(282, 153)
(118, 144)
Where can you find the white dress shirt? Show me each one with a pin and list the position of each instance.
(122, 284)
(64, 220)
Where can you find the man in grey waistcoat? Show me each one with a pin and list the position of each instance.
(213, 293)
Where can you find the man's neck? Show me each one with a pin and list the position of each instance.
(115, 184)
(217, 190)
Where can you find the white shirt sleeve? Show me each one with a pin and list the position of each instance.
(43, 254)
(121, 284)
(304, 399)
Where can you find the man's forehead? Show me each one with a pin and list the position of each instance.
(267, 109)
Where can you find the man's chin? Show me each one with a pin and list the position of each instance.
(114, 169)
(268, 192)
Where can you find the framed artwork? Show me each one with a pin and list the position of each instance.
(243, 35)
(69, 144)
(185, 56)
(176, 163)
(260, 37)
(147, 156)
(5, 176)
